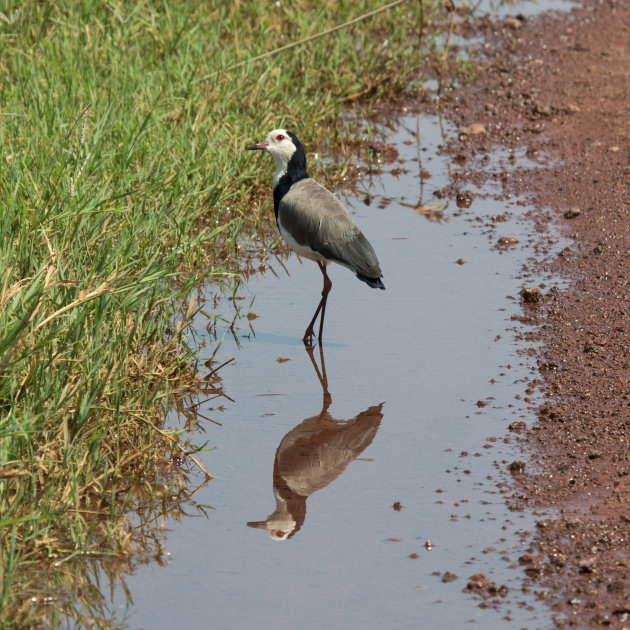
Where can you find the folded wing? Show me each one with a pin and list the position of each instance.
(316, 219)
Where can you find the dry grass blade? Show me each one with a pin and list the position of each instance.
(104, 287)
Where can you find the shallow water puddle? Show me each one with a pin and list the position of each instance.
(501, 8)
(344, 502)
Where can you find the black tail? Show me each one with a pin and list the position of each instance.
(375, 283)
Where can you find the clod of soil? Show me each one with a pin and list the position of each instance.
(464, 199)
(484, 586)
(517, 425)
(478, 582)
(572, 213)
(531, 295)
(507, 241)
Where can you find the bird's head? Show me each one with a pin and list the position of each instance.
(278, 526)
(286, 150)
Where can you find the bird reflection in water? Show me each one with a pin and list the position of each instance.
(312, 455)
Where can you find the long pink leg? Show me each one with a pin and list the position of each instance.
(308, 335)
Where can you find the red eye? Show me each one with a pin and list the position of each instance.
(279, 137)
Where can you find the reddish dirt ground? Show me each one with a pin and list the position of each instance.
(559, 86)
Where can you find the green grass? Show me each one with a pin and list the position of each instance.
(123, 182)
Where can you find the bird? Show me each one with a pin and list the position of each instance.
(312, 455)
(313, 222)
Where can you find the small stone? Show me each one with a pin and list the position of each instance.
(507, 241)
(460, 261)
(572, 213)
(587, 565)
(474, 130)
(282, 359)
(464, 199)
(517, 467)
(513, 23)
(543, 110)
(614, 149)
(517, 426)
(448, 577)
(534, 571)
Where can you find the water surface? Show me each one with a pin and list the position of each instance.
(527, 8)
(399, 485)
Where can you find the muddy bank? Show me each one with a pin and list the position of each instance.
(558, 86)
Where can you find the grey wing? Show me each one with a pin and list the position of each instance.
(355, 253)
(317, 219)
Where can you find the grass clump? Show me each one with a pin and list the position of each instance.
(123, 181)
(88, 354)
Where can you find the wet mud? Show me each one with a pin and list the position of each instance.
(558, 88)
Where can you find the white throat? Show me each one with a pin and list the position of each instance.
(281, 169)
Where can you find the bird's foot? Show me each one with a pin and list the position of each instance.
(308, 337)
